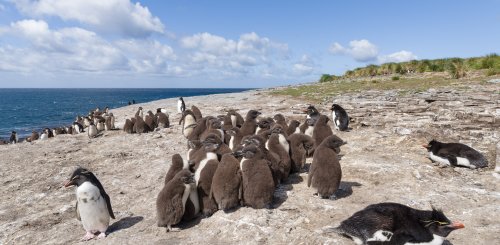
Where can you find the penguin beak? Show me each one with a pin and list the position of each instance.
(68, 183)
(425, 145)
(457, 225)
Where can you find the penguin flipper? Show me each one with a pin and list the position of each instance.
(77, 212)
(108, 204)
(452, 159)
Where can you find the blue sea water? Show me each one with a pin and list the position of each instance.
(24, 110)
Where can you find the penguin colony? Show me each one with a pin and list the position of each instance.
(235, 161)
(95, 122)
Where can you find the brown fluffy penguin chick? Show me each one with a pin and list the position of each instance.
(171, 201)
(188, 122)
(213, 126)
(162, 118)
(293, 127)
(199, 128)
(325, 172)
(197, 113)
(223, 148)
(226, 184)
(176, 165)
(257, 180)
(140, 126)
(149, 121)
(321, 130)
(236, 119)
(280, 119)
(272, 158)
(307, 127)
(264, 124)
(204, 174)
(300, 146)
(274, 145)
(193, 146)
(235, 139)
(250, 124)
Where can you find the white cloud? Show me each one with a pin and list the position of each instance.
(336, 48)
(360, 50)
(120, 17)
(400, 56)
(305, 66)
(208, 53)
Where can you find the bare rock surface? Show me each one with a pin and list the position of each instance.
(382, 162)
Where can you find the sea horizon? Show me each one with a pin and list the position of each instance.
(27, 109)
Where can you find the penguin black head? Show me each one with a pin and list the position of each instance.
(333, 142)
(237, 154)
(277, 129)
(211, 143)
(335, 107)
(252, 114)
(79, 176)
(14, 132)
(433, 144)
(294, 123)
(251, 151)
(440, 225)
(265, 123)
(311, 110)
(252, 140)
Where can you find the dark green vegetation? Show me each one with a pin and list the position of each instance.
(455, 67)
(406, 77)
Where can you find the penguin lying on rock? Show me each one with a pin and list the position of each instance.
(93, 206)
(455, 154)
(393, 223)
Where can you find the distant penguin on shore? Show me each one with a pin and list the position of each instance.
(340, 118)
(455, 154)
(44, 135)
(92, 130)
(13, 137)
(128, 127)
(181, 106)
(139, 112)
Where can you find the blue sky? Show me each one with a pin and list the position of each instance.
(124, 43)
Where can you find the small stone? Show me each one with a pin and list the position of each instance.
(137, 176)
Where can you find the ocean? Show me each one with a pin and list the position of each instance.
(24, 110)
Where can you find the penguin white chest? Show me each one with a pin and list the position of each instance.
(179, 106)
(438, 159)
(233, 120)
(436, 240)
(284, 143)
(335, 120)
(185, 196)
(203, 163)
(309, 131)
(231, 143)
(92, 208)
(241, 162)
(189, 123)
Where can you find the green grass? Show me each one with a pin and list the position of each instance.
(320, 91)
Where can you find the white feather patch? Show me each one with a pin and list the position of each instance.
(380, 236)
(309, 131)
(284, 143)
(203, 163)
(185, 196)
(436, 240)
(438, 158)
(92, 208)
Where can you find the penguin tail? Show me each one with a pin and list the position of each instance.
(337, 230)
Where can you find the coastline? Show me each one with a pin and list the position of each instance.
(380, 163)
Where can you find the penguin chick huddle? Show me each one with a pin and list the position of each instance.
(94, 122)
(234, 161)
(146, 122)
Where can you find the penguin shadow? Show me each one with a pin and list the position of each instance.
(280, 193)
(446, 242)
(186, 224)
(345, 189)
(124, 223)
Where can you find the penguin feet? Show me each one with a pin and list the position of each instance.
(101, 235)
(170, 229)
(88, 236)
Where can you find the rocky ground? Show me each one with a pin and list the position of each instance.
(383, 161)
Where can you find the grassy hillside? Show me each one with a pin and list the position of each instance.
(412, 76)
(455, 67)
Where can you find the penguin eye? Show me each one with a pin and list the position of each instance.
(76, 177)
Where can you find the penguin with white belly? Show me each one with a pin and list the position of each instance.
(93, 206)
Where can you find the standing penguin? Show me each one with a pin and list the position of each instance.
(278, 145)
(171, 201)
(280, 119)
(226, 184)
(196, 112)
(236, 119)
(293, 127)
(139, 112)
(340, 118)
(140, 126)
(250, 124)
(128, 127)
(257, 179)
(455, 154)
(93, 206)
(300, 147)
(77, 128)
(325, 172)
(181, 107)
(176, 165)
(205, 170)
(92, 130)
(312, 112)
(307, 127)
(13, 137)
(321, 130)
(34, 136)
(394, 223)
(162, 119)
(188, 122)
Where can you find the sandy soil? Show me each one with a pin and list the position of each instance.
(379, 164)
